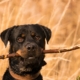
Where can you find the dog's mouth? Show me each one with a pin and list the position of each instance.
(31, 58)
(27, 64)
(27, 61)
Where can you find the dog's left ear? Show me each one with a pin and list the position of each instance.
(47, 32)
(5, 35)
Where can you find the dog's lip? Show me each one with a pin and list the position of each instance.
(31, 57)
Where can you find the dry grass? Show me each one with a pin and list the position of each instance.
(62, 17)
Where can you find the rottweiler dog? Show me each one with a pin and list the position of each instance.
(29, 39)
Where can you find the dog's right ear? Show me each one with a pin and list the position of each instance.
(5, 35)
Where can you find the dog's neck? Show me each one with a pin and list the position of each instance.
(26, 77)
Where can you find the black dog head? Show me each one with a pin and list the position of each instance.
(30, 39)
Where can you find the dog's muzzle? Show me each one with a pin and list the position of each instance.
(30, 55)
(30, 51)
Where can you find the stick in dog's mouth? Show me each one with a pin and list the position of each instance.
(18, 53)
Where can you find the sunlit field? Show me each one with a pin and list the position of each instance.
(62, 17)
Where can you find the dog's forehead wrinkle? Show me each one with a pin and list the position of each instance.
(27, 28)
(36, 29)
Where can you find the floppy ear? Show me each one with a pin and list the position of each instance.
(5, 35)
(47, 32)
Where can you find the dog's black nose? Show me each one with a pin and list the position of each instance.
(31, 47)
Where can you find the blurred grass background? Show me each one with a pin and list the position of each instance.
(62, 17)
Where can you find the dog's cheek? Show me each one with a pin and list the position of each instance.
(14, 47)
(38, 52)
(41, 58)
(41, 43)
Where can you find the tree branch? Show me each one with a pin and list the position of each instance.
(45, 51)
(61, 50)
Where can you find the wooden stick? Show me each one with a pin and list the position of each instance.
(45, 51)
(9, 55)
(61, 50)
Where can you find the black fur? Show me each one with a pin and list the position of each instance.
(30, 39)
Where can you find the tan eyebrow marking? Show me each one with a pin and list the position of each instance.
(22, 35)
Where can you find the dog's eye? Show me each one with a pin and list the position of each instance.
(34, 36)
(20, 39)
(37, 37)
